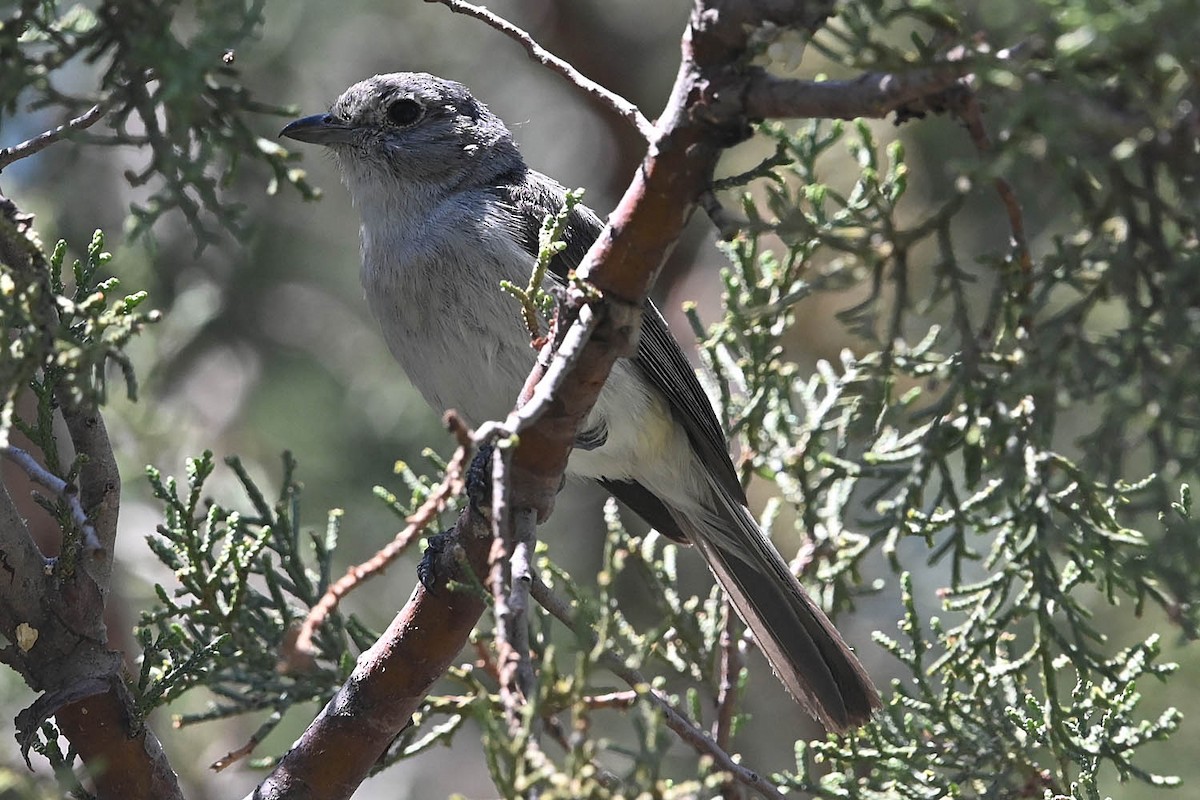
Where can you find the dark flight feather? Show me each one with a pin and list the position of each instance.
(803, 647)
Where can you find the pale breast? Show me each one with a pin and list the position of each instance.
(458, 338)
(434, 289)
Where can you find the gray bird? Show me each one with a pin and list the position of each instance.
(449, 209)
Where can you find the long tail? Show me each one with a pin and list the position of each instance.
(805, 650)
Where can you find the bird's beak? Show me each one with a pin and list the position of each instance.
(323, 129)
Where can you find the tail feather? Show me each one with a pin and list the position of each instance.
(805, 650)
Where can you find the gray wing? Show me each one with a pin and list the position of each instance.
(659, 357)
(804, 648)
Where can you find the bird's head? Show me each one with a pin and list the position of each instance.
(410, 128)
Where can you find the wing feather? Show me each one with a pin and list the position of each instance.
(532, 196)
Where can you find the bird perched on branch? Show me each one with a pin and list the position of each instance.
(449, 210)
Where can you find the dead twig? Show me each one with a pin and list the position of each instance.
(46, 138)
(67, 491)
(499, 583)
(731, 666)
(301, 649)
(612, 100)
(727, 693)
(524, 543)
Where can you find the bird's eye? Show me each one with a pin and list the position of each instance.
(405, 112)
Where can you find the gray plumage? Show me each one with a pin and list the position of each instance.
(449, 209)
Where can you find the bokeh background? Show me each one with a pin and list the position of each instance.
(267, 344)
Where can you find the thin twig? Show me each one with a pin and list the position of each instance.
(727, 693)
(67, 491)
(971, 114)
(731, 667)
(43, 140)
(687, 730)
(727, 223)
(610, 700)
(614, 101)
(486, 662)
(235, 755)
(524, 543)
(565, 355)
(543, 393)
(499, 582)
(872, 94)
(512, 543)
(514, 529)
(301, 649)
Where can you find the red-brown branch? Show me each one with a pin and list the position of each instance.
(703, 115)
(390, 680)
(53, 614)
(124, 761)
